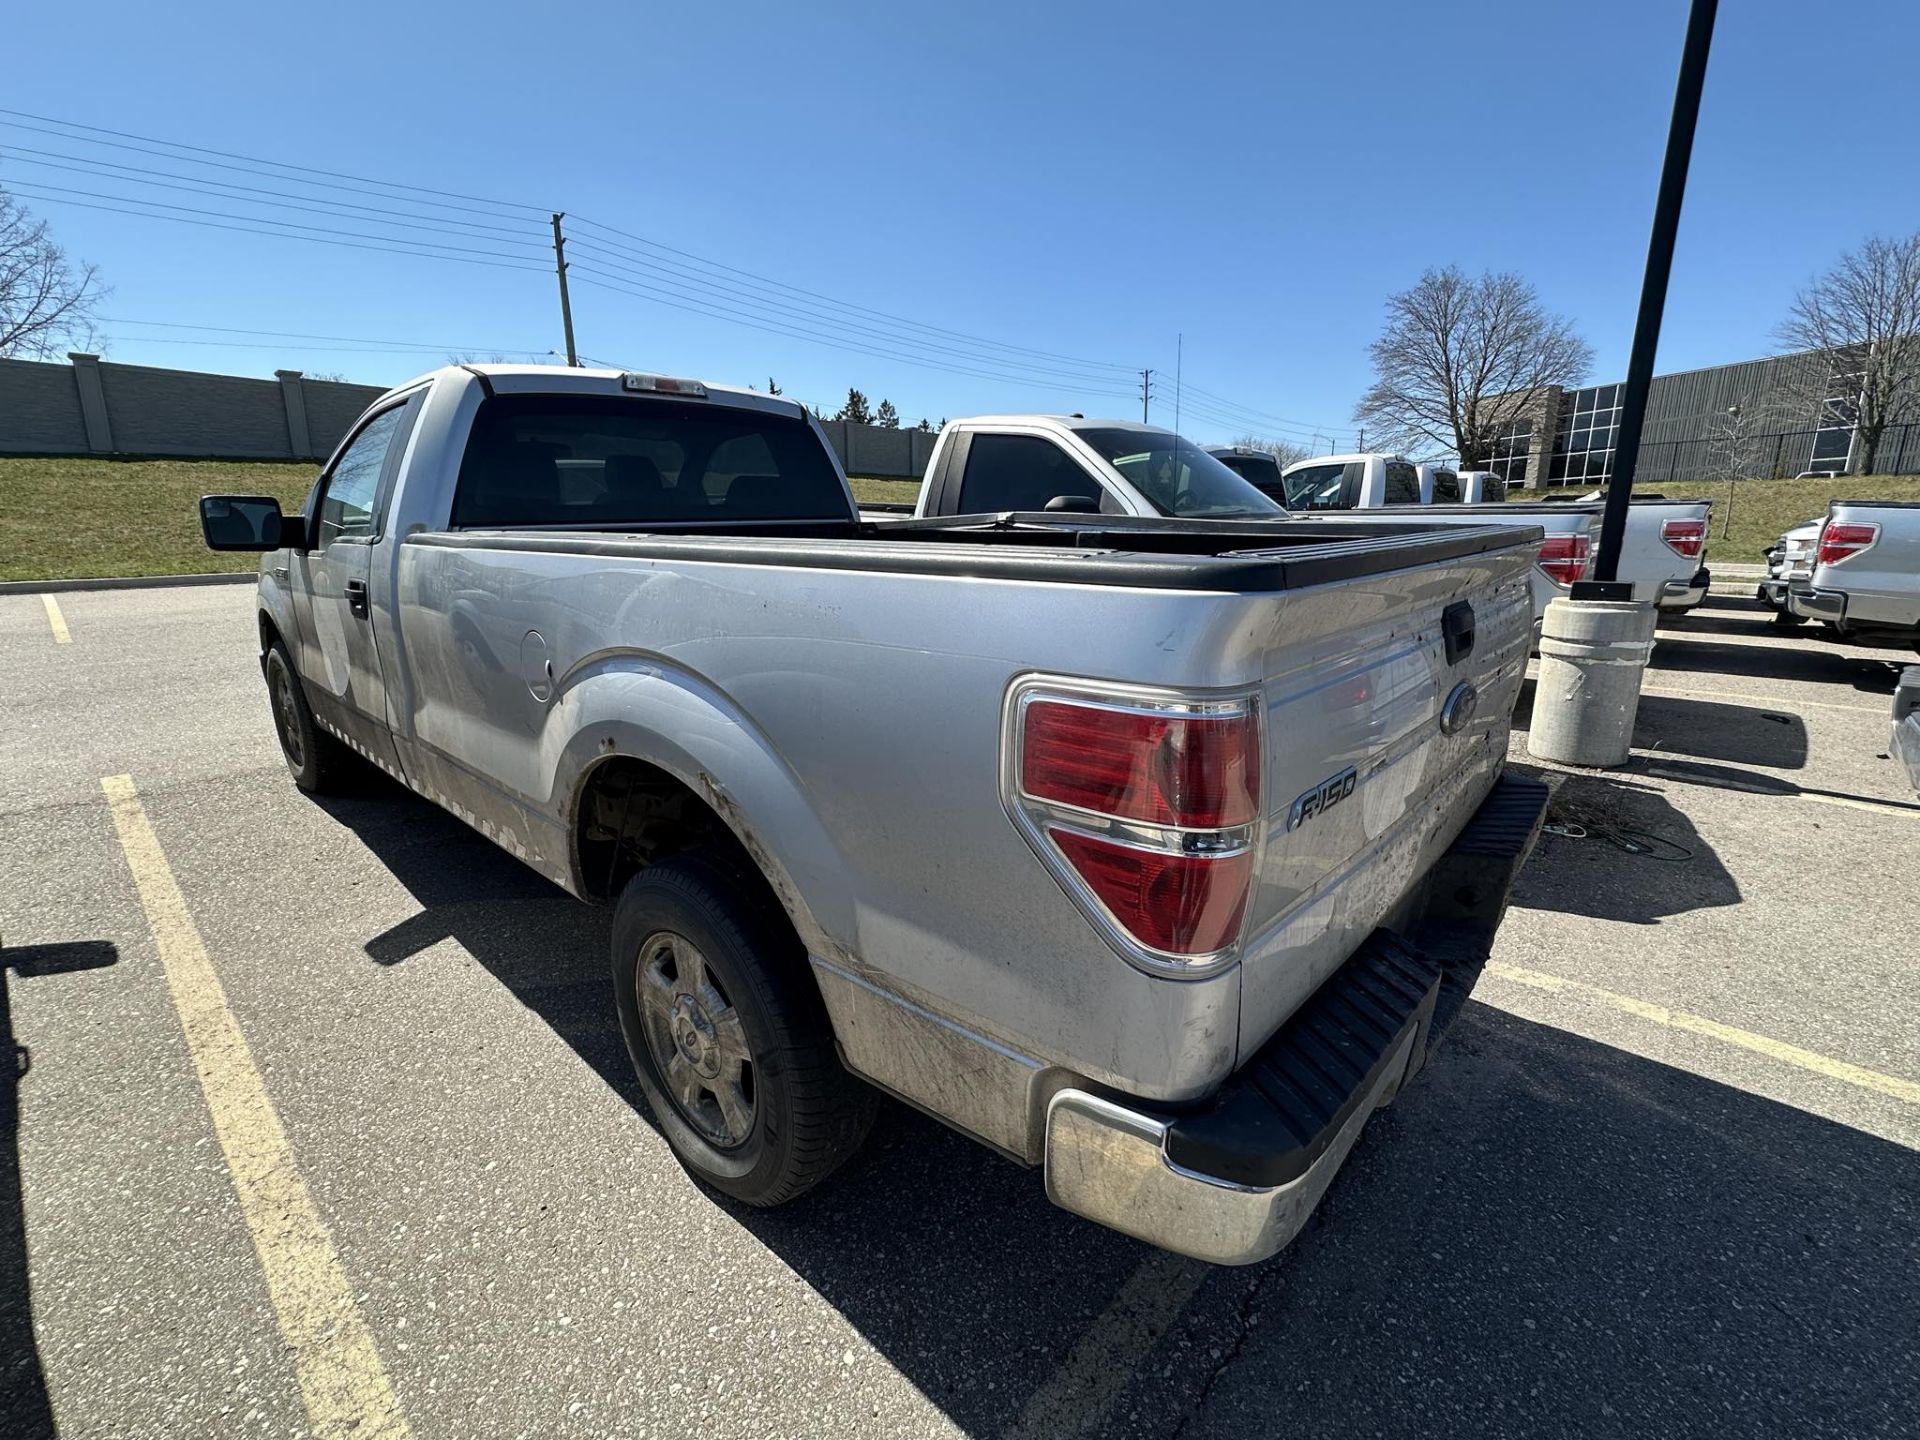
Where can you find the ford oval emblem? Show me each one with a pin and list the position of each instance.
(1459, 710)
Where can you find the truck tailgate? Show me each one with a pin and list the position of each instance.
(1386, 712)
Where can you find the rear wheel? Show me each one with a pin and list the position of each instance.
(318, 762)
(728, 1034)
(1786, 619)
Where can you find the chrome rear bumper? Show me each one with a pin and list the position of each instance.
(1233, 1181)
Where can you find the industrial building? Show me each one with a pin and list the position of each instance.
(1780, 416)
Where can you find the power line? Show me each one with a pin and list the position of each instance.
(791, 312)
(420, 246)
(586, 277)
(410, 345)
(86, 165)
(229, 155)
(388, 249)
(881, 314)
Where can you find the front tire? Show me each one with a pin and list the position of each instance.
(728, 1034)
(317, 761)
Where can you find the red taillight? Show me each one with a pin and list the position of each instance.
(1158, 767)
(1685, 537)
(1842, 540)
(1564, 557)
(1147, 813)
(1180, 903)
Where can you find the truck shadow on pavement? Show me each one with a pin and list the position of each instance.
(1817, 661)
(25, 1411)
(1545, 1235)
(1551, 1236)
(1627, 854)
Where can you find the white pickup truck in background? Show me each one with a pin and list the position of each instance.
(1865, 579)
(1386, 484)
(1663, 555)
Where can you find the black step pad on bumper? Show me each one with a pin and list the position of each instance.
(1283, 1109)
(1287, 1105)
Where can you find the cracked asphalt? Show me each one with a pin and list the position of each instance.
(1578, 1219)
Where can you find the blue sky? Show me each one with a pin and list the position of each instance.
(1085, 181)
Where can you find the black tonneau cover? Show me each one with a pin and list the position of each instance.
(1147, 552)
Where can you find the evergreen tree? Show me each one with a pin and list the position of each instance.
(855, 409)
(887, 418)
(773, 386)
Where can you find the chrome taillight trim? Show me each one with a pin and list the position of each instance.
(1033, 816)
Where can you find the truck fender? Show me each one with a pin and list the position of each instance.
(276, 607)
(649, 709)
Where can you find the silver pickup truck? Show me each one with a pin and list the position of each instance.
(1865, 576)
(1111, 842)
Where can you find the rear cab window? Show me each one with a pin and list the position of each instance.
(1403, 484)
(615, 461)
(1446, 487)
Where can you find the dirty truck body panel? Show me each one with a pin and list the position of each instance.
(849, 701)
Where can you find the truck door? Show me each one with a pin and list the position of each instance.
(339, 661)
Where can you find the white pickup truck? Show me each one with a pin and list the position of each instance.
(1865, 576)
(1663, 555)
(1381, 484)
(1120, 844)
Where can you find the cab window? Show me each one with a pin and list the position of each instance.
(1317, 487)
(1446, 487)
(1020, 472)
(347, 503)
(1403, 484)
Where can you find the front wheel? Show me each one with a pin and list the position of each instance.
(316, 760)
(728, 1034)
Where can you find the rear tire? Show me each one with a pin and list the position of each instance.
(728, 1034)
(318, 762)
(1787, 620)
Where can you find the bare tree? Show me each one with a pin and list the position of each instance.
(1461, 359)
(46, 302)
(1285, 451)
(1863, 315)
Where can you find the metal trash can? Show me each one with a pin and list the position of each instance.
(1593, 654)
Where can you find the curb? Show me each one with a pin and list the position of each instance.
(124, 582)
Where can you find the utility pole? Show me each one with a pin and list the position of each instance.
(566, 305)
(1363, 439)
(1146, 393)
(1179, 355)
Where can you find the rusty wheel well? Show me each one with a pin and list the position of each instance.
(629, 814)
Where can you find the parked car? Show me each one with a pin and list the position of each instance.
(1658, 530)
(1865, 579)
(1098, 836)
(1788, 559)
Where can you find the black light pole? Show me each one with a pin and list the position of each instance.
(1653, 301)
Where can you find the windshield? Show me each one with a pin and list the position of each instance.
(1176, 476)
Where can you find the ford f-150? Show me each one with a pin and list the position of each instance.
(1110, 841)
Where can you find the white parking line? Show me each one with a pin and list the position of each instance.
(342, 1381)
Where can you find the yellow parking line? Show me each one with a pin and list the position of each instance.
(56, 620)
(1076, 1397)
(1812, 1060)
(342, 1382)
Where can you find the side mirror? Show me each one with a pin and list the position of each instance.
(1074, 504)
(247, 522)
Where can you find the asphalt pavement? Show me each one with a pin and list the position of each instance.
(1662, 1178)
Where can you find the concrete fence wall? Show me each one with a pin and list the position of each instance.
(96, 407)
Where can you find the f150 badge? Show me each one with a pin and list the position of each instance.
(1323, 797)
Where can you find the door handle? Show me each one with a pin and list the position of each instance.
(357, 597)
